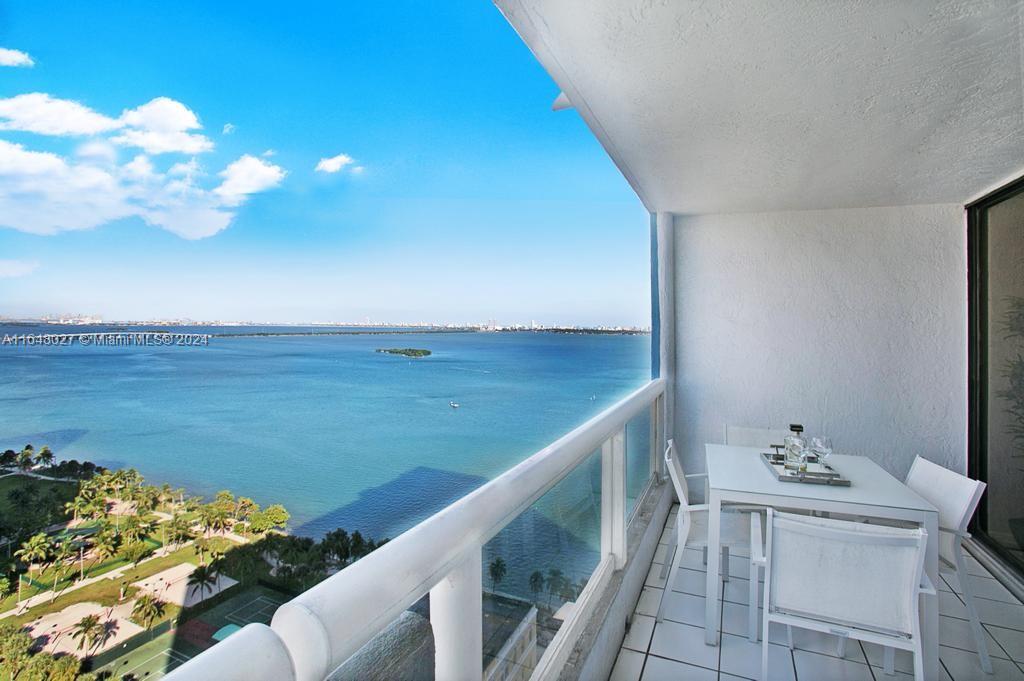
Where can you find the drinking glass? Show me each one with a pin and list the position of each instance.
(822, 446)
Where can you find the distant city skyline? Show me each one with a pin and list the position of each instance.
(396, 162)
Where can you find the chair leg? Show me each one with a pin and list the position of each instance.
(677, 560)
(789, 635)
(752, 605)
(704, 556)
(764, 655)
(725, 564)
(972, 612)
(889, 661)
(918, 661)
(841, 647)
(669, 552)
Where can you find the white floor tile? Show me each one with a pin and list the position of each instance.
(964, 666)
(1011, 641)
(628, 666)
(693, 559)
(738, 591)
(650, 598)
(638, 637)
(684, 643)
(876, 657)
(659, 554)
(654, 577)
(1006, 615)
(734, 618)
(658, 669)
(957, 634)
(689, 581)
(685, 608)
(665, 535)
(983, 587)
(821, 667)
(826, 644)
(742, 658)
(950, 605)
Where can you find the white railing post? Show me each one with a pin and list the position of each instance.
(613, 498)
(456, 616)
(657, 421)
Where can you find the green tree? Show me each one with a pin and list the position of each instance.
(497, 571)
(26, 458)
(536, 583)
(148, 609)
(136, 552)
(179, 529)
(15, 649)
(90, 633)
(33, 553)
(554, 583)
(61, 553)
(45, 457)
(202, 579)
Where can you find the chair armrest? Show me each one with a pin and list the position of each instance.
(756, 540)
(696, 475)
(927, 587)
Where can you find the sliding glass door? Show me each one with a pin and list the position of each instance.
(996, 257)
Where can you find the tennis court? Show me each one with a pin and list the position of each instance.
(167, 652)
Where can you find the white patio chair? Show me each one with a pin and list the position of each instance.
(848, 579)
(692, 530)
(956, 497)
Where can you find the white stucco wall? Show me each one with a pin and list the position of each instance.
(852, 322)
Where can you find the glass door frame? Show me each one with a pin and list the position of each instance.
(977, 341)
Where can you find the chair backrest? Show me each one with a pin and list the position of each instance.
(847, 573)
(740, 436)
(955, 496)
(675, 471)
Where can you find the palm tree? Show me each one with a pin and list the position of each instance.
(201, 547)
(105, 544)
(79, 506)
(45, 457)
(202, 579)
(26, 458)
(62, 552)
(35, 550)
(89, 632)
(148, 609)
(497, 570)
(554, 582)
(180, 530)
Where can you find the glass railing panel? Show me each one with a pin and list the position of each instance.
(639, 438)
(403, 650)
(535, 569)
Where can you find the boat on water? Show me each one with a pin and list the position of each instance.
(453, 405)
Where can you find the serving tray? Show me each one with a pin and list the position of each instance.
(817, 473)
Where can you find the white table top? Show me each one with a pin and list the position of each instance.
(740, 469)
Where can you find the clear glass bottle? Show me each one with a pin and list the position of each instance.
(796, 448)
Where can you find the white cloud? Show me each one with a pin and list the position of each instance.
(40, 113)
(247, 175)
(357, 170)
(269, 152)
(161, 126)
(334, 163)
(17, 268)
(99, 151)
(227, 129)
(10, 57)
(43, 193)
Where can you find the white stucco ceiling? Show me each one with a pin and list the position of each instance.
(744, 105)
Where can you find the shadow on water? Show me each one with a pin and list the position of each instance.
(397, 505)
(54, 439)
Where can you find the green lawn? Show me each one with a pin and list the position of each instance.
(68, 489)
(106, 592)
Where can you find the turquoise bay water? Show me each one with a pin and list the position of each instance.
(340, 434)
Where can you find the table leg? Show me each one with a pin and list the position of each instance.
(930, 604)
(711, 608)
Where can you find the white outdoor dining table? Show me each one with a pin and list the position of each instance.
(737, 475)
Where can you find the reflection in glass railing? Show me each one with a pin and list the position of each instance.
(535, 569)
(639, 433)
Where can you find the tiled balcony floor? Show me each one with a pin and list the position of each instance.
(675, 649)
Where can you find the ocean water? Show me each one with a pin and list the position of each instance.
(343, 436)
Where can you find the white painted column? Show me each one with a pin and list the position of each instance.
(613, 498)
(456, 616)
(665, 228)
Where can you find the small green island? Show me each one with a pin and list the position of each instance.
(408, 352)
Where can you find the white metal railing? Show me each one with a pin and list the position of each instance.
(313, 634)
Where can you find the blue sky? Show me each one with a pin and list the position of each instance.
(160, 160)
